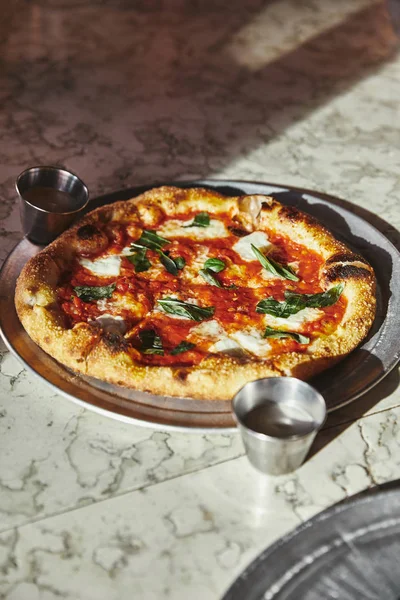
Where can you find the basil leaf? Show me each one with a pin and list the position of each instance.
(202, 219)
(140, 260)
(320, 300)
(186, 309)
(172, 265)
(278, 333)
(280, 309)
(168, 263)
(150, 239)
(274, 267)
(88, 293)
(182, 347)
(214, 264)
(180, 262)
(293, 303)
(210, 278)
(151, 342)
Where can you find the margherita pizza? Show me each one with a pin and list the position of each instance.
(186, 292)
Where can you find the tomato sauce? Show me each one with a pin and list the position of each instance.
(242, 287)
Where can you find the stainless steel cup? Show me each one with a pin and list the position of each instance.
(42, 225)
(278, 418)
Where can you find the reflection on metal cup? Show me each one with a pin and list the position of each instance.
(50, 200)
(278, 418)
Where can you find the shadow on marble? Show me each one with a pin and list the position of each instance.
(340, 420)
(383, 396)
(291, 86)
(158, 69)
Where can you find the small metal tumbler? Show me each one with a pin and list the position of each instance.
(278, 418)
(43, 224)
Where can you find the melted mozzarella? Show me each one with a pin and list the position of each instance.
(249, 341)
(224, 345)
(294, 322)
(200, 258)
(206, 333)
(105, 266)
(252, 341)
(103, 304)
(259, 239)
(208, 329)
(175, 228)
(267, 275)
(111, 324)
(212, 331)
(122, 301)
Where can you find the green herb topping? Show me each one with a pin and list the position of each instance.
(150, 342)
(293, 303)
(150, 239)
(211, 266)
(278, 333)
(274, 267)
(186, 309)
(140, 260)
(182, 347)
(172, 265)
(153, 241)
(88, 293)
(214, 264)
(202, 219)
(210, 278)
(180, 262)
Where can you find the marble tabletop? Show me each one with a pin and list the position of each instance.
(128, 93)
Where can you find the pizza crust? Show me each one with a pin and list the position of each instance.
(88, 350)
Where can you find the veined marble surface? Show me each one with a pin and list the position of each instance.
(126, 93)
(189, 537)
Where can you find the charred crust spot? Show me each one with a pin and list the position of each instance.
(268, 206)
(345, 257)
(290, 212)
(87, 232)
(294, 215)
(178, 195)
(347, 272)
(181, 374)
(238, 231)
(114, 342)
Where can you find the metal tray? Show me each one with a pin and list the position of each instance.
(345, 382)
(349, 552)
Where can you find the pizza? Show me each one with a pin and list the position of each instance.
(189, 293)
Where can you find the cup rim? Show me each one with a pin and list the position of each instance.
(52, 168)
(266, 436)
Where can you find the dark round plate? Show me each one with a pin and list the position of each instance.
(349, 552)
(358, 373)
